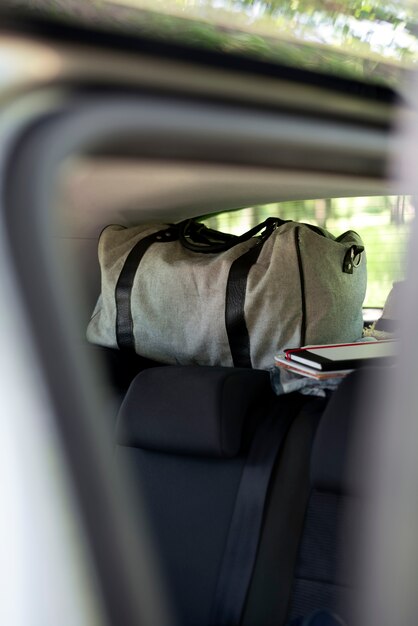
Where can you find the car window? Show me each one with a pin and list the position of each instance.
(376, 42)
(122, 112)
(360, 41)
(382, 221)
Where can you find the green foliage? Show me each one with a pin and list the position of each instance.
(343, 16)
(385, 260)
(332, 36)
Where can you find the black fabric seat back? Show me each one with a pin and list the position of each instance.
(325, 570)
(185, 433)
(182, 431)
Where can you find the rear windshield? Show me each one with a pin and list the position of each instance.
(383, 222)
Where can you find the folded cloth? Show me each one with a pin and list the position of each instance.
(284, 381)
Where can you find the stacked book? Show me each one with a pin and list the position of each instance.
(337, 360)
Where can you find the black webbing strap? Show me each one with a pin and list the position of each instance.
(123, 292)
(271, 585)
(236, 288)
(193, 234)
(244, 532)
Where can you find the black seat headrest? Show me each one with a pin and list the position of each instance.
(191, 410)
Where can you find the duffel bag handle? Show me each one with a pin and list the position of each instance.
(196, 237)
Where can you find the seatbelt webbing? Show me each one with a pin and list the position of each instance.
(269, 594)
(244, 532)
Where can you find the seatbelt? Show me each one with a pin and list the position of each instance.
(244, 532)
(272, 580)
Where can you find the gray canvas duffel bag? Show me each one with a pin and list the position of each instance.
(186, 294)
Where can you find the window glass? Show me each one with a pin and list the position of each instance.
(367, 40)
(383, 222)
(372, 41)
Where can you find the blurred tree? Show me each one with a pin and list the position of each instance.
(397, 210)
(323, 211)
(348, 20)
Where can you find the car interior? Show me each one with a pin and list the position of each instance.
(251, 502)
